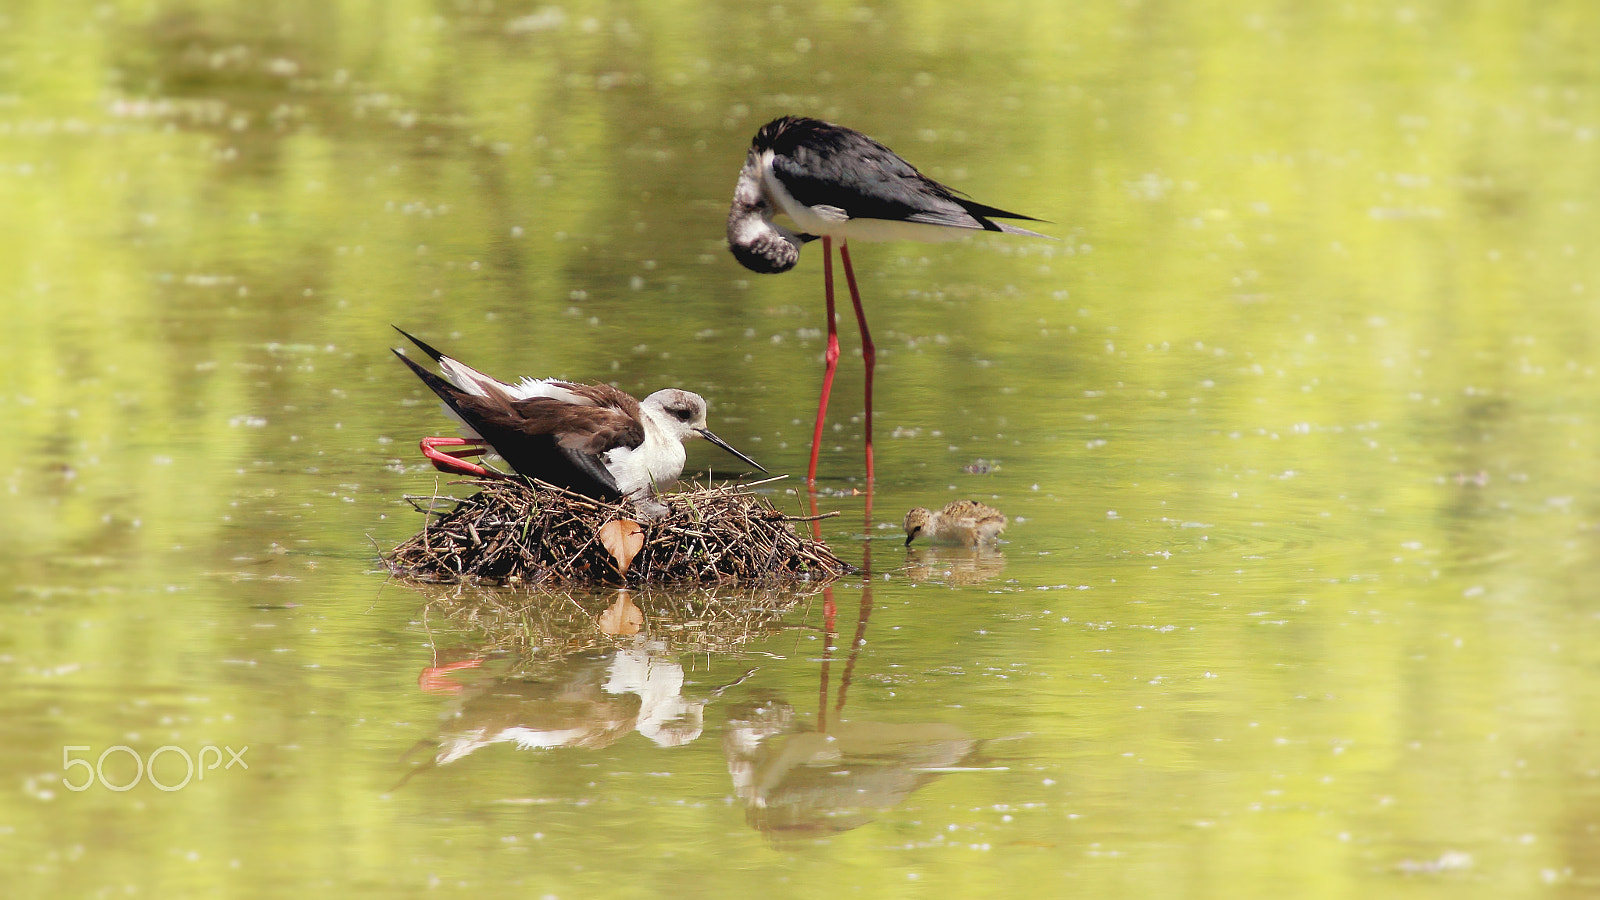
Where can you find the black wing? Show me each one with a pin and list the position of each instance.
(518, 439)
(433, 354)
(823, 164)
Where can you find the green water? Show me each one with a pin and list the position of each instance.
(1295, 424)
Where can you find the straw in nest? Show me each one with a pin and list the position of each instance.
(511, 532)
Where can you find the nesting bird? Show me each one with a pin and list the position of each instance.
(834, 182)
(965, 522)
(591, 439)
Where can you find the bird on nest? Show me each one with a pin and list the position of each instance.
(591, 439)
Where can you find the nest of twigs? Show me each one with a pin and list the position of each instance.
(516, 533)
(531, 627)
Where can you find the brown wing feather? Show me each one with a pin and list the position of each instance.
(558, 441)
(613, 421)
(525, 431)
(604, 395)
(592, 429)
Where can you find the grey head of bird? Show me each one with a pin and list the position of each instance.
(756, 241)
(681, 415)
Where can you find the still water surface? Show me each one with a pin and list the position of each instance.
(1295, 424)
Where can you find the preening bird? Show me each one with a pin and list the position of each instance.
(836, 183)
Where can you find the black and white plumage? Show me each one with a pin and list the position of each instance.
(588, 438)
(832, 181)
(836, 183)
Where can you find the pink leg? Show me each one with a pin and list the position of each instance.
(449, 461)
(830, 358)
(869, 353)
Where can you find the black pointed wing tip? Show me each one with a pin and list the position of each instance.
(443, 389)
(984, 213)
(1002, 214)
(1017, 216)
(433, 354)
(1008, 228)
(411, 364)
(434, 382)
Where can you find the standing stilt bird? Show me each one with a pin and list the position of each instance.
(836, 183)
(591, 439)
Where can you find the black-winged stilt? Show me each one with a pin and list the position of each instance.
(835, 182)
(588, 438)
(965, 522)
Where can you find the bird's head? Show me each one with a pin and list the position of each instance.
(682, 415)
(917, 522)
(756, 242)
(682, 412)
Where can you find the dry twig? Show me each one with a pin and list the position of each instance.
(511, 533)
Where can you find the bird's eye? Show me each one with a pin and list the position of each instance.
(682, 414)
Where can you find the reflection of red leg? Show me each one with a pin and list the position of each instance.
(827, 659)
(450, 461)
(435, 680)
(869, 353)
(830, 358)
(829, 612)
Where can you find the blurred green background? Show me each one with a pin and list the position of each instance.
(1296, 425)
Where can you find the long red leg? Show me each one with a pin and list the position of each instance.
(830, 358)
(450, 461)
(869, 353)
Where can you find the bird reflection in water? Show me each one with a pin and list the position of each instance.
(798, 782)
(587, 700)
(954, 565)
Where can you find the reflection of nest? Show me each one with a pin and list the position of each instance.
(511, 533)
(537, 628)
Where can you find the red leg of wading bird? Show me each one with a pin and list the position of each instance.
(830, 359)
(830, 356)
(869, 353)
(450, 461)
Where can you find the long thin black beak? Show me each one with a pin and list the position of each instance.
(706, 433)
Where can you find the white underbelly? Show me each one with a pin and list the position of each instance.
(641, 470)
(891, 230)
